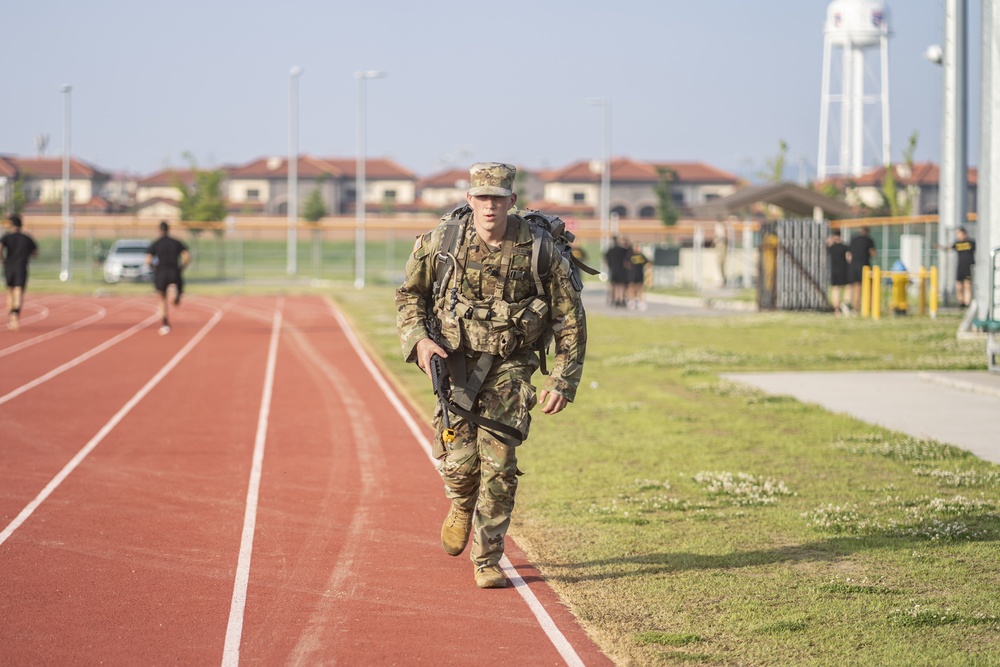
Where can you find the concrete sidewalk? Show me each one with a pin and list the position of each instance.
(961, 408)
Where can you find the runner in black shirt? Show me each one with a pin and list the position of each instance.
(837, 252)
(617, 257)
(860, 252)
(15, 249)
(168, 257)
(966, 249)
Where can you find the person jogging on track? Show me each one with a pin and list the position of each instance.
(168, 257)
(16, 248)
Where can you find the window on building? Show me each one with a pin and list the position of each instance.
(619, 211)
(677, 198)
(647, 212)
(579, 197)
(253, 194)
(350, 194)
(389, 195)
(32, 193)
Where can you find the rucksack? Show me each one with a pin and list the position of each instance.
(549, 236)
(554, 228)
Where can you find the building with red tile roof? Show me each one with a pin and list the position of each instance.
(41, 182)
(919, 185)
(632, 184)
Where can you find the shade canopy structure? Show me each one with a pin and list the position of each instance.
(788, 196)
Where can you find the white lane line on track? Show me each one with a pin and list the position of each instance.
(72, 363)
(234, 630)
(545, 621)
(101, 312)
(107, 428)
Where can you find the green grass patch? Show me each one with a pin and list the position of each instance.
(781, 627)
(666, 638)
(776, 532)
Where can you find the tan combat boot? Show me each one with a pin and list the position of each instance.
(455, 531)
(490, 576)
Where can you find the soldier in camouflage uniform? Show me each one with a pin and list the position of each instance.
(490, 306)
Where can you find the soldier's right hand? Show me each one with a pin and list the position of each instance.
(427, 348)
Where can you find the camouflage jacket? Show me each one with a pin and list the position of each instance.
(473, 318)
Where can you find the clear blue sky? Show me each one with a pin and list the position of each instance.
(719, 81)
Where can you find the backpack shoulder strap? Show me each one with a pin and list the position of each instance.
(452, 238)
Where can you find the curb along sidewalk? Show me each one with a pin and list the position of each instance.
(961, 408)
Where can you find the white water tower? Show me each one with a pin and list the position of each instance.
(856, 31)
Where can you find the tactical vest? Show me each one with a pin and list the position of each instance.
(511, 316)
(493, 308)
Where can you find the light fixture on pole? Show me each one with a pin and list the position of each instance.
(605, 170)
(293, 169)
(360, 180)
(67, 91)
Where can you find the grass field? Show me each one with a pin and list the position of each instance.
(690, 521)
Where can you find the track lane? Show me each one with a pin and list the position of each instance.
(26, 365)
(389, 594)
(140, 543)
(46, 426)
(98, 314)
(133, 558)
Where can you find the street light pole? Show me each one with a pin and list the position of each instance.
(605, 171)
(360, 176)
(293, 170)
(67, 91)
(953, 181)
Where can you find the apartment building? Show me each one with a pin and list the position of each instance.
(40, 181)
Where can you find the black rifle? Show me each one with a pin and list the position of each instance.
(439, 382)
(438, 369)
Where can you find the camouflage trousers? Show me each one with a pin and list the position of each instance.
(480, 472)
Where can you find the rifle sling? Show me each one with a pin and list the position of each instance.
(464, 393)
(508, 435)
(464, 387)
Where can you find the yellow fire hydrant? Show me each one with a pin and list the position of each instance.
(900, 281)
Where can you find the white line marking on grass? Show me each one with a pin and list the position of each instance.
(234, 630)
(72, 363)
(55, 332)
(106, 429)
(545, 621)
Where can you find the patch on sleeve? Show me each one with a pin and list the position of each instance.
(422, 246)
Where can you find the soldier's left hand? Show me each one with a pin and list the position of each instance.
(551, 401)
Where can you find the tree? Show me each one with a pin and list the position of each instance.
(669, 213)
(774, 171)
(912, 191)
(203, 201)
(17, 199)
(890, 193)
(314, 208)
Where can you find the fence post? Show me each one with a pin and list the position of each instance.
(876, 292)
(923, 291)
(866, 291)
(933, 306)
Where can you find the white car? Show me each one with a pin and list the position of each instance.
(127, 261)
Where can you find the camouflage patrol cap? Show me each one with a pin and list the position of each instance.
(491, 178)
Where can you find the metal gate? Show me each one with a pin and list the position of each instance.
(794, 273)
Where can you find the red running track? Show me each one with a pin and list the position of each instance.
(248, 489)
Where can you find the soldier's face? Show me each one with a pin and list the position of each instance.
(490, 211)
